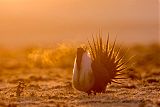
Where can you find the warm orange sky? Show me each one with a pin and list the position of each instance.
(25, 22)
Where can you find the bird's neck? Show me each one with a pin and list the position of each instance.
(86, 62)
(85, 66)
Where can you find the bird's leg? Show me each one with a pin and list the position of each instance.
(94, 93)
(89, 92)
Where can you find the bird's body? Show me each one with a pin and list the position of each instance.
(95, 69)
(83, 78)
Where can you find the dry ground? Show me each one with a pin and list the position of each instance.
(26, 81)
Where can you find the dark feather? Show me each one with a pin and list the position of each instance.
(107, 44)
(91, 49)
(106, 65)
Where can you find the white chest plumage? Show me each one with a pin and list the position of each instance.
(83, 79)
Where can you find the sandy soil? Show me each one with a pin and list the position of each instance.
(23, 86)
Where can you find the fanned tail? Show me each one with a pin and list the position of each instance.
(107, 63)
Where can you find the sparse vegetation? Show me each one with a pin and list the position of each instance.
(61, 57)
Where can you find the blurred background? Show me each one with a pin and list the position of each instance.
(39, 40)
(46, 22)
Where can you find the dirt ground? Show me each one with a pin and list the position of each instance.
(31, 86)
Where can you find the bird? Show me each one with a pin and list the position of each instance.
(97, 65)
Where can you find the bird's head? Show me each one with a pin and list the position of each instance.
(80, 52)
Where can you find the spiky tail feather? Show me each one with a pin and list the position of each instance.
(107, 63)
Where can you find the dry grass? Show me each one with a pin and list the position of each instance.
(42, 77)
